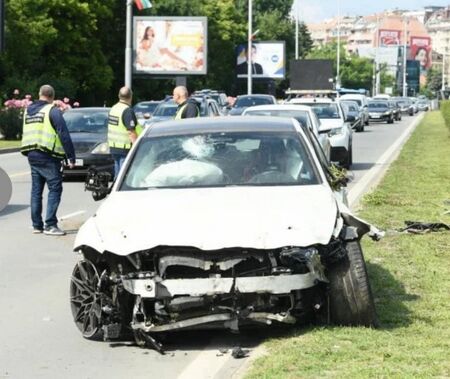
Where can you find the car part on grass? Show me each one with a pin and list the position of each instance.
(418, 227)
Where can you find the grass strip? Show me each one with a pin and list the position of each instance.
(8, 144)
(410, 278)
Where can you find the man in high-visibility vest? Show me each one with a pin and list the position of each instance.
(123, 128)
(187, 107)
(46, 142)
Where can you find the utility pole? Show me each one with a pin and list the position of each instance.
(377, 63)
(405, 37)
(128, 43)
(443, 72)
(296, 29)
(249, 48)
(338, 63)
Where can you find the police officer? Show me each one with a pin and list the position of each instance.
(46, 142)
(187, 107)
(123, 128)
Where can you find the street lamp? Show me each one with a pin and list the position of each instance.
(249, 48)
(338, 78)
(443, 70)
(296, 28)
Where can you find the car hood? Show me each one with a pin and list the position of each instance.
(330, 123)
(236, 111)
(379, 110)
(212, 218)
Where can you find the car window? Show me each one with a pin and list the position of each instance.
(86, 122)
(250, 101)
(378, 105)
(166, 109)
(145, 107)
(301, 116)
(221, 159)
(325, 110)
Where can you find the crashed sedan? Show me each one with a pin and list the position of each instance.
(220, 223)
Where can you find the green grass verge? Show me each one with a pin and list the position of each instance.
(8, 144)
(410, 277)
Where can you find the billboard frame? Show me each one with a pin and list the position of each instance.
(202, 19)
(258, 77)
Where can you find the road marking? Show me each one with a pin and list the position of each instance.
(8, 154)
(20, 174)
(70, 215)
(371, 179)
(205, 366)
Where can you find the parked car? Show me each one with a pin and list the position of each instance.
(219, 96)
(303, 114)
(246, 230)
(338, 127)
(380, 111)
(396, 110)
(88, 128)
(362, 101)
(245, 101)
(144, 110)
(351, 108)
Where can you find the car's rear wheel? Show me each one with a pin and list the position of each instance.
(350, 297)
(84, 299)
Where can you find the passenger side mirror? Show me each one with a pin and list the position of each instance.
(98, 183)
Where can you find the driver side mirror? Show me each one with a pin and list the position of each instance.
(350, 118)
(98, 183)
(147, 115)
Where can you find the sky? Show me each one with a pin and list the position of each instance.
(318, 10)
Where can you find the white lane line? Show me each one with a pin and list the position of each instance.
(70, 215)
(374, 175)
(20, 174)
(9, 154)
(205, 366)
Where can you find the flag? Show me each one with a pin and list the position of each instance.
(143, 4)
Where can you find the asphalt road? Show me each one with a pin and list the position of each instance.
(38, 338)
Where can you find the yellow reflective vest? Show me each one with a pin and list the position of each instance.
(39, 134)
(178, 115)
(117, 131)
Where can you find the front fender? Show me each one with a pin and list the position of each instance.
(89, 235)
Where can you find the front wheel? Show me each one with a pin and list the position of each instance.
(350, 297)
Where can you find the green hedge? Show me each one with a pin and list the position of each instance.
(11, 123)
(445, 111)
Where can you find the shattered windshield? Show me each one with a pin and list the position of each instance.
(221, 159)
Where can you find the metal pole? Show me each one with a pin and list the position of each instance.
(249, 49)
(338, 77)
(443, 68)
(128, 44)
(377, 63)
(405, 91)
(296, 29)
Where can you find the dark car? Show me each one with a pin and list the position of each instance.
(396, 110)
(88, 128)
(144, 110)
(245, 101)
(380, 111)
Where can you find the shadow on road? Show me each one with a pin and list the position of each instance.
(362, 166)
(13, 208)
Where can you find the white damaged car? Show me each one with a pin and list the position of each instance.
(219, 223)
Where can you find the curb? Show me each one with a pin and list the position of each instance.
(9, 150)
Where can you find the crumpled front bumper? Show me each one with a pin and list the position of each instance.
(279, 284)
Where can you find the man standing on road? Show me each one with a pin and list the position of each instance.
(123, 128)
(46, 142)
(187, 108)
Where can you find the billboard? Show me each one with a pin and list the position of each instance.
(170, 45)
(389, 37)
(268, 60)
(311, 74)
(421, 51)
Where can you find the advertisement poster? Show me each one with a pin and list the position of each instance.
(170, 45)
(421, 51)
(268, 60)
(389, 37)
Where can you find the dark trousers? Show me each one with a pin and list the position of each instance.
(118, 162)
(42, 173)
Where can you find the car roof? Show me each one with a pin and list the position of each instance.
(255, 95)
(88, 109)
(311, 100)
(221, 124)
(287, 107)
